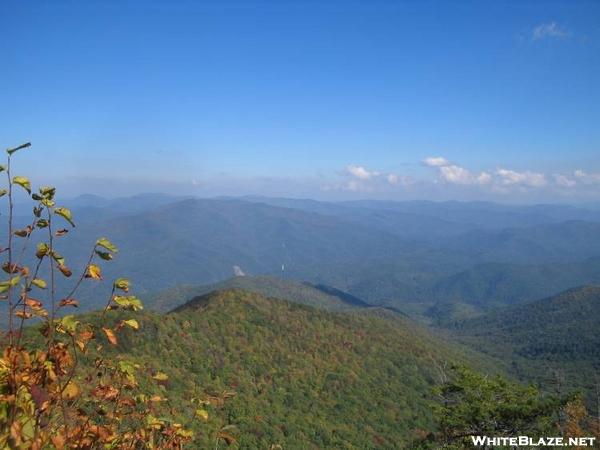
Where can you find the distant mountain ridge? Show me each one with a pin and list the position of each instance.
(413, 256)
(318, 296)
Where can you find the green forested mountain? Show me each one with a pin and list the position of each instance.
(294, 291)
(554, 341)
(271, 372)
(494, 285)
(408, 255)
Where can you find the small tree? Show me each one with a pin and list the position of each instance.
(471, 404)
(48, 398)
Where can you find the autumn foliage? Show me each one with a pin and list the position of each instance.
(48, 397)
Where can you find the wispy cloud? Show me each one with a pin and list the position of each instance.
(455, 174)
(361, 179)
(436, 161)
(564, 181)
(508, 177)
(504, 180)
(587, 178)
(550, 30)
(360, 172)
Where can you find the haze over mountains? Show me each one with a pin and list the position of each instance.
(420, 257)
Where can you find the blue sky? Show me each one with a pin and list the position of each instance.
(324, 99)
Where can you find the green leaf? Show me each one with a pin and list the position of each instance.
(123, 284)
(10, 151)
(128, 368)
(58, 258)
(103, 242)
(202, 414)
(23, 182)
(3, 192)
(39, 283)
(66, 214)
(130, 302)
(48, 192)
(104, 255)
(132, 323)
(161, 376)
(6, 285)
(68, 324)
(42, 250)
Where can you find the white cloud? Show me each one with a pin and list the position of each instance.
(587, 178)
(360, 172)
(402, 180)
(484, 178)
(452, 177)
(436, 161)
(564, 181)
(527, 178)
(455, 174)
(360, 179)
(549, 30)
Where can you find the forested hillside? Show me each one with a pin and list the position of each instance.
(554, 341)
(278, 373)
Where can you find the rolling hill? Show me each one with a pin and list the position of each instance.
(280, 373)
(552, 341)
(302, 293)
(492, 285)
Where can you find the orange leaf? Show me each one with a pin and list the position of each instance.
(110, 335)
(69, 302)
(105, 392)
(58, 441)
(33, 303)
(65, 270)
(23, 314)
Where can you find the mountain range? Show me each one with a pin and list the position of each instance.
(310, 324)
(419, 257)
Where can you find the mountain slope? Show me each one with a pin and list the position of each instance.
(556, 335)
(293, 375)
(359, 250)
(540, 244)
(303, 293)
(492, 285)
